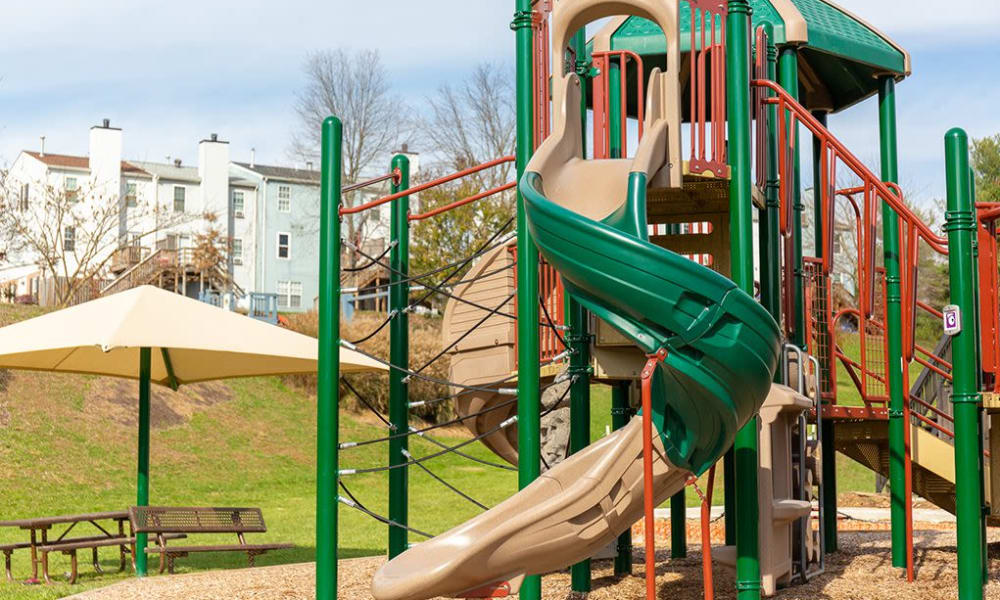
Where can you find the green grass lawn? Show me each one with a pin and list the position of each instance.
(67, 445)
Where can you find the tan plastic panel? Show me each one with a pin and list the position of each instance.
(568, 514)
(778, 510)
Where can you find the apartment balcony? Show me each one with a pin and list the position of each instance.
(127, 257)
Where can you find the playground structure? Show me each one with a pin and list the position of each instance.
(697, 113)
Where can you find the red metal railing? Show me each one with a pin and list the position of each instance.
(601, 86)
(345, 210)
(550, 289)
(707, 87)
(453, 205)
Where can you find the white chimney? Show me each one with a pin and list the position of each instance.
(106, 160)
(41, 152)
(213, 169)
(253, 157)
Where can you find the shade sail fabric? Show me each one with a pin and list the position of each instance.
(199, 341)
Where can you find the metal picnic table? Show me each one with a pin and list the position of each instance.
(39, 540)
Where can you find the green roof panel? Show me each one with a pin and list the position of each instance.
(831, 30)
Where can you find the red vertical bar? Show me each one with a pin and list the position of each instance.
(647, 471)
(692, 78)
(641, 95)
(783, 168)
(623, 81)
(701, 89)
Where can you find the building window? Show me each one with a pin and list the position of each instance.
(284, 245)
(180, 194)
(131, 195)
(284, 198)
(237, 251)
(22, 203)
(238, 204)
(72, 187)
(69, 239)
(289, 294)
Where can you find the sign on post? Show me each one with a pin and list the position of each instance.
(952, 320)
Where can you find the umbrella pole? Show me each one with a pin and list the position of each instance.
(142, 474)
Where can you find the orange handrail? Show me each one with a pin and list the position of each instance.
(462, 202)
(424, 186)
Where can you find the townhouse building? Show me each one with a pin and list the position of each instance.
(266, 216)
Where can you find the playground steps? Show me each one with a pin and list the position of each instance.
(867, 442)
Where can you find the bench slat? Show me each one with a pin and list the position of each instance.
(98, 542)
(219, 548)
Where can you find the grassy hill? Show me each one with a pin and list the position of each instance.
(67, 445)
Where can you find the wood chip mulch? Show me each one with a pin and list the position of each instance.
(861, 570)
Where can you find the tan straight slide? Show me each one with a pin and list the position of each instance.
(566, 515)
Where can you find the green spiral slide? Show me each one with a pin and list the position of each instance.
(722, 346)
(722, 351)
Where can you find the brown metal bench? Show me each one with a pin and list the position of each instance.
(161, 521)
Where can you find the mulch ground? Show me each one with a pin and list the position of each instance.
(861, 570)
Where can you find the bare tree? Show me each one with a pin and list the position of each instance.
(210, 255)
(72, 235)
(355, 87)
(475, 122)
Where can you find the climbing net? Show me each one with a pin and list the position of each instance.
(408, 292)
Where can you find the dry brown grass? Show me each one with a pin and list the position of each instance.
(425, 343)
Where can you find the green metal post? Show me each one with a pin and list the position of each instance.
(740, 216)
(142, 474)
(788, 77)
(729, 495)
(578, 340)
(579, 406)
(615, 122)
(817, 165)
(620, 414)
(768, 228)
(328, 384)
(961, 227)
(829, 451)
(894, 324)
(583, 72)
(678, 525)
(528, 368)
(399, 355)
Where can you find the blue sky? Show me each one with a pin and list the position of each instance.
(170, 73)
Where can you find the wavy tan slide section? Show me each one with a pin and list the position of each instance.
(565, 516)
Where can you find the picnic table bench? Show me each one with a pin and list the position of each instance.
(164, 521)
(40, 544)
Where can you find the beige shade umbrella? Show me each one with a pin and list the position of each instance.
(191, 341)
(153, 335)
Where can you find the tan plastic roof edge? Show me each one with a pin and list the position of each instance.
(796, 29)
(602, 39)
(907, 66)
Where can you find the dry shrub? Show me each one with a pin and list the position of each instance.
(425, 343)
